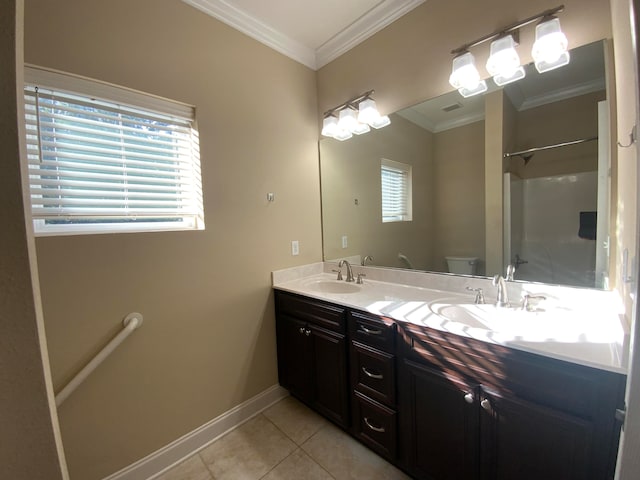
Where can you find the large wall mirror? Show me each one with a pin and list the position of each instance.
(555, 203)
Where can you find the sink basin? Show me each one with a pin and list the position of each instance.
(333, 286)
(466, 314)
(485, 316)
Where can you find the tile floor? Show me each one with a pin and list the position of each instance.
(288, 441)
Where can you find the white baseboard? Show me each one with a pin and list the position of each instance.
(182, 448)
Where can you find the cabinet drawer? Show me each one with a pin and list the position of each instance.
(375, 425)
(327, 315)
(372, 330)
(373, 373)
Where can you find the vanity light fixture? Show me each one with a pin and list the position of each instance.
(549, 52)
(355, 116)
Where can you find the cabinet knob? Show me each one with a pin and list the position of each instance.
(301, 330)
(486, 404)
(307, 332)
(468, 397)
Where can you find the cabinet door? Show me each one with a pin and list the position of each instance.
(330, 387)
(527, 441)
(295, 357)
(440, 420)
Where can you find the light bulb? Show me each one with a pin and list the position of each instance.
(348, 120)
(550, 48)
(464, 73)
(329, 126)
(503, 60)
(367, 111)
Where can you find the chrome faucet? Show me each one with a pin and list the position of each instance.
(503, 300)
(349, 271)
(364, 260)
(511, 270)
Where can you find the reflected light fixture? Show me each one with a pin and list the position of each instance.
(549, 52)
(355, 116)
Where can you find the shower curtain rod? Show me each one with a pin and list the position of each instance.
(547, 147)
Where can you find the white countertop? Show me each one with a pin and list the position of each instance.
(575, 325)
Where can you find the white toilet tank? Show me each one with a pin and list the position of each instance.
(462, 265)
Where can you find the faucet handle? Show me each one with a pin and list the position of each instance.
(479, 300)
(359, 280)
(526, 301)
(339, 272)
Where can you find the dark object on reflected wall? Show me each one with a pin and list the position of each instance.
(588, 224)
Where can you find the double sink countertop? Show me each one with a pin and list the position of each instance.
(577, 325)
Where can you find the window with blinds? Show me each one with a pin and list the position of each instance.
(102, 158)
(396, 191)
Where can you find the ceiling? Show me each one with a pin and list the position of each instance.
(311, 32)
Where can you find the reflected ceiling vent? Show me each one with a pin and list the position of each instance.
(452, 107)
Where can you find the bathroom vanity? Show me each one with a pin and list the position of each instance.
(407, 372)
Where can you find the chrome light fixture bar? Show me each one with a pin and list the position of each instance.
(353, 117)
(549, 52)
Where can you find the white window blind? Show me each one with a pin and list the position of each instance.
(97, 164)
(396, 191)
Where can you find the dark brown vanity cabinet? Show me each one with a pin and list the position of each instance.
(373, 379)
(473, 410)
(312, 354)
(447, 407)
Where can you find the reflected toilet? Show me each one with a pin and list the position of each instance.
(462, 265)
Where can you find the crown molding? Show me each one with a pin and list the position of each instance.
(367, 25)
(556, 95)
(372, 22)
(257, 30)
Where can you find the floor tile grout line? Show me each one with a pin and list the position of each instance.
(311, 456)
(273, 468)
(213, 477)
(299, 447)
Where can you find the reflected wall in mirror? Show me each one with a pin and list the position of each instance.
(551, 195)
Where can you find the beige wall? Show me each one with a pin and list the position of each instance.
(627, 58)
(410, 61)
(458, 177)
(351, 170)
(208, 340)
(30, 447)
(627, 182)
